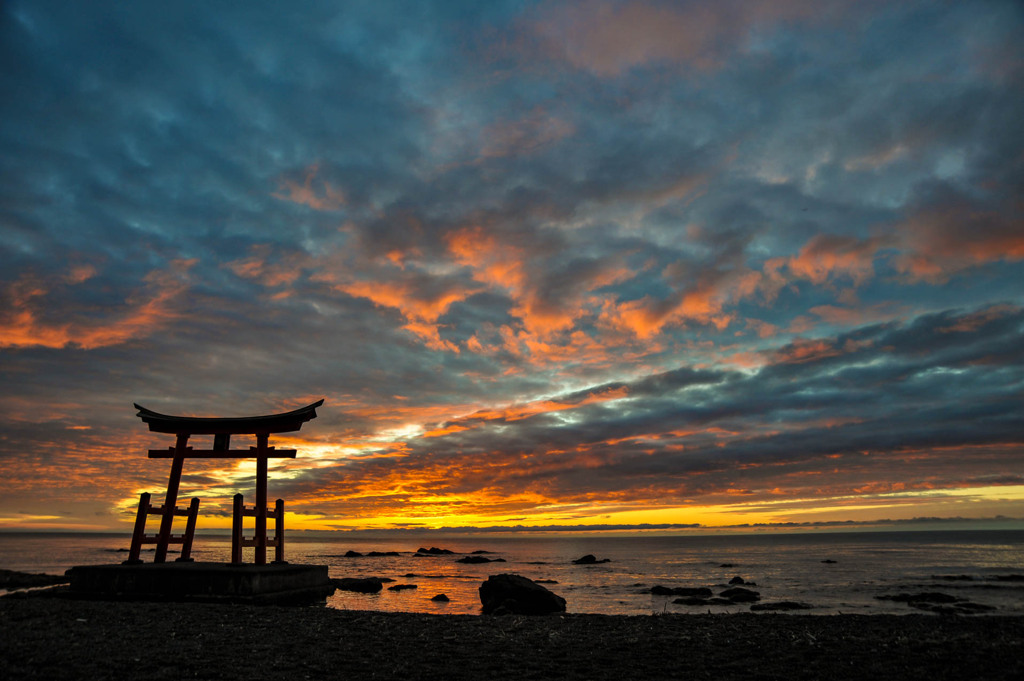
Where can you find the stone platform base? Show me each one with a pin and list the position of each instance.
(216, 582)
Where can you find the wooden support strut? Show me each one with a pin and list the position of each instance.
(139, 536)
(167, 522)
(238, 539)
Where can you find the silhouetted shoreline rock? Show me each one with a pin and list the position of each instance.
(738, 594)
(433, 551)
(590, 559)
(479, 559)
(516, 595)
(363, 585)
(12, 579)
(781, 605)
(928, 597)
(937, 602)
(691, 591)
(402, 587)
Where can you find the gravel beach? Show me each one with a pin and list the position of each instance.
(57, 638)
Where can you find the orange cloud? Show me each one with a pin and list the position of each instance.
(325, 197)
(431, 335)
(829, 255)
(806, 350)
(260, 266)
(703, 302)
(609, 38)
(504, 266)
(404, 296)
(942, 240)
(24, 325)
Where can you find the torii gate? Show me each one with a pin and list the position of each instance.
(222, 429)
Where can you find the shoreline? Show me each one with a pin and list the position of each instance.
(59, 638)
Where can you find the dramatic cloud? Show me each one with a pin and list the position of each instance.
(625, 263)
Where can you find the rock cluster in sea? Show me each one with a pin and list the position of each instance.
(733, 595)
(432, 551)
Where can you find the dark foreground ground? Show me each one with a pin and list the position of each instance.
(51, 638)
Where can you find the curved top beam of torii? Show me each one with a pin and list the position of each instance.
(244, 425)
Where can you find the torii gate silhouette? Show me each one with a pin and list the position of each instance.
(222, 429)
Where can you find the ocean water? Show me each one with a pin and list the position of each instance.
(970, 565)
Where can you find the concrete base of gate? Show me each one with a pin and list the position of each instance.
(217, 582)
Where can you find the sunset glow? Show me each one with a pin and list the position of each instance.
(617, 266)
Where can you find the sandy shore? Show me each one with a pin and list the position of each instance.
(52, 638)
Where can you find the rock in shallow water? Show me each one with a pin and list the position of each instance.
(363, 585)
(691, 591)
(518, 595)
(479, 559)
(740, 595)
(781, 605)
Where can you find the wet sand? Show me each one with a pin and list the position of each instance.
(54, 638)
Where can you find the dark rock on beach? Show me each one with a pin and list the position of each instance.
(690, 591)
(590, 559)
(353, 554)
(11, 579)
(363, 585)
(737, 580)
(513, 594)
(939, 603)
(479, 559)
(738, 594)
(691, 600)
(781, 605)
(928, 597)
(441, 598)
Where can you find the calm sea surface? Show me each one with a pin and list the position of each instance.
(972, 565)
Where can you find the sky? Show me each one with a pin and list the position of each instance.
(606, 265)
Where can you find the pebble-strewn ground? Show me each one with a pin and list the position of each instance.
(54, 638)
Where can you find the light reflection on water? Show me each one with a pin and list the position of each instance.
(785, 567)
